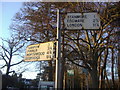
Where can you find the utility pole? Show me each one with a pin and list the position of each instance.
(58, 53)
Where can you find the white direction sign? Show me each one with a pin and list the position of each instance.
(82, 21)
(39, 52)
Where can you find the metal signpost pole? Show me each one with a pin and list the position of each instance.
(58, 53)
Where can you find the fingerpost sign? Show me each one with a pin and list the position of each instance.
(39, 52)
(82, 21)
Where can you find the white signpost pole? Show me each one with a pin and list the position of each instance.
(58, 53)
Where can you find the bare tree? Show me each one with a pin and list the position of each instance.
(10, 48)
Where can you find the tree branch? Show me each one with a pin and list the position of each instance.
(17, 63)
(86, 67)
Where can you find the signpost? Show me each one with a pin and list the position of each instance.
(58, 53)
(44, 51)
(82, 21)
(70, 72)
(38, 52)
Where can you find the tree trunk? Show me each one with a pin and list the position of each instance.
(119, 68)
(8, 65)
(94, 71)
(112, 68)
(50, 75)
(62, 64)
(8, 69)
(94, 77)
(103, 68)
(102, 83)
(119, 59)
(107, 80)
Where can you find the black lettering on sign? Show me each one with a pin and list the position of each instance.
(95, 25)
(33, 50)
(95, 20)
(35, 54)
(49, 52)
(74, 25)
(49, 47)
(30, 58)
(76, 16)
(32, 47)
(48, 56)
(75, 20)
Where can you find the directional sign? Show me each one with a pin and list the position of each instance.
(39, 52)
(70, 72)
(82, 21)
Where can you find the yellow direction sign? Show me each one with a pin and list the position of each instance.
(39, 52)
